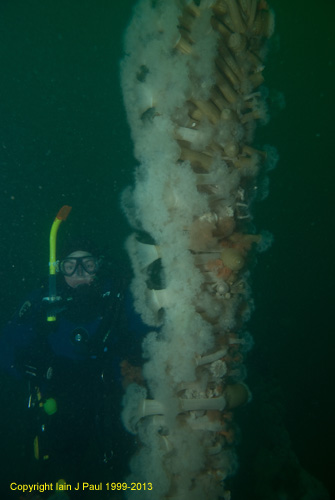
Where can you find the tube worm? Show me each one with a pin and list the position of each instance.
(189, 77)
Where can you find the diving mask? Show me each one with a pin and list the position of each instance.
(72, 265)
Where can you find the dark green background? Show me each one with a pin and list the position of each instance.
(64, 140)
(293, 325)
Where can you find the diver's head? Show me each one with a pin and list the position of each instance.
(79, 268)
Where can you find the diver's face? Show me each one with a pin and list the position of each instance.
(81, 268)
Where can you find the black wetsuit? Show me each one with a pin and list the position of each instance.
(76, 361)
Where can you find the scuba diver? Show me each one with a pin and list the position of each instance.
(68, 345)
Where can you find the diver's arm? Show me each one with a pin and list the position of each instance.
(18, 334)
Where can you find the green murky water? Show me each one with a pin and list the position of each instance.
(64, 140)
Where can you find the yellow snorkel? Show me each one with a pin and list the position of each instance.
(62, 215)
